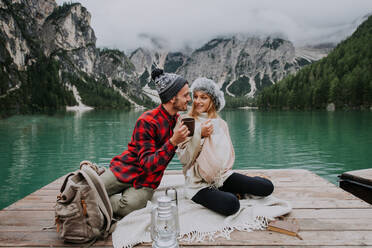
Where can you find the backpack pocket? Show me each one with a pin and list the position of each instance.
(71, 222)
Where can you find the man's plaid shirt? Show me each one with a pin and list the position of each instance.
(149, 150)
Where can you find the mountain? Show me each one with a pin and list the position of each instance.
(244, 65)
(145, 60)
(342, 80)
(241, 66)
(49, 60)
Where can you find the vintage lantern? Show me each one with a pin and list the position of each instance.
(164, 223)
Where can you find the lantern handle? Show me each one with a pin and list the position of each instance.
(175, 194)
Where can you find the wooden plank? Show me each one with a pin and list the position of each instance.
(224, 246)
(270, 246)
(285, 177)
(40, 239)
(320, 191)
(314, 193)
(28, 205)
(309, 219)
(316, 197)
(365, 174)
(306, 224)
(45, 204)
(346, 214)
(333, 224)
(19, 217)
(332, 192)
(327, 203)
(335, 238)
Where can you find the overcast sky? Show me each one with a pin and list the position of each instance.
(129, 24)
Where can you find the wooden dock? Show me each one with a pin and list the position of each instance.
(328, 217)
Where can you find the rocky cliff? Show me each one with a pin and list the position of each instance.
(44, 46)
(241, 65)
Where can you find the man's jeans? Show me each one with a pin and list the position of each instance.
(124, 197)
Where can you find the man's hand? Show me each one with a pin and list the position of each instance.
(180, 134)
(206, 129)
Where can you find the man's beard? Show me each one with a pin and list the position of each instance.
(178, 106)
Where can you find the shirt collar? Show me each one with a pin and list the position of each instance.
(166, 114)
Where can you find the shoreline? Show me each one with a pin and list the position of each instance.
(247, 107)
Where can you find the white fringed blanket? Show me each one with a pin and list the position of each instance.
(197, 223)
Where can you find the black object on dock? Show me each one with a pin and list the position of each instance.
(358, 183)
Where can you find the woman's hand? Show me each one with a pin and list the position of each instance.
(180, 134)
(206, 129)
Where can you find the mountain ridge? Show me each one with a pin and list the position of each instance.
(251, 62)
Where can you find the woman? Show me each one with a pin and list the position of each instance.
(208, 156)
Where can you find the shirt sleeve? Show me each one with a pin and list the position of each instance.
(151, 159)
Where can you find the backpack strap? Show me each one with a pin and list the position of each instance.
(65, 194)
(65, 181)
(103, 201)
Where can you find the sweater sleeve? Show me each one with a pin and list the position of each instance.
(226, 128)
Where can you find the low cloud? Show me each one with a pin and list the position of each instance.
(176, 24)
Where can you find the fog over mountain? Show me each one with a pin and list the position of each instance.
(181, 24)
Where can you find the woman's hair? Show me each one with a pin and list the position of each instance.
(211, 110)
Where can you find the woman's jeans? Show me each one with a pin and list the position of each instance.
(124, 197)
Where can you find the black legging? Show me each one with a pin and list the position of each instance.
(224, 200)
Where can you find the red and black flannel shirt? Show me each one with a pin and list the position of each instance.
(149, 150)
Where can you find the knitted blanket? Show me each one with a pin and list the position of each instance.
(197, 223)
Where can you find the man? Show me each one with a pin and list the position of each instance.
(136, 173)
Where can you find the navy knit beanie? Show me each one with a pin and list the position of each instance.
(167, 84)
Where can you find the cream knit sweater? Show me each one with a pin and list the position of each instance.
(207, 162)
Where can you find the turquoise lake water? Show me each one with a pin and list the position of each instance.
(35, 150)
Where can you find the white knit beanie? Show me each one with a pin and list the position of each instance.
(211, 88)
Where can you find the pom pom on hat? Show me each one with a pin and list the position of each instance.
(156, 73)
(211, 88)
(167, 84)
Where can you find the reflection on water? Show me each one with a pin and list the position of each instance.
(327, 143)
(35, 150)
